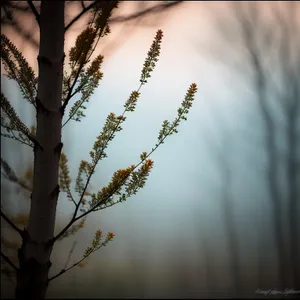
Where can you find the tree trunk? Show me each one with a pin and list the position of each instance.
(35, 252)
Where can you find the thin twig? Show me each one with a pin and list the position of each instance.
(80, 14)
(37, 16)
(77, 263)
(70, 253)
(9, 261)
(155, 9)
(69, 194)
(11, 223)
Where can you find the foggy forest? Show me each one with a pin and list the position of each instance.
(219, 214)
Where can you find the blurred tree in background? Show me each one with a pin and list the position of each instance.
(263, 44)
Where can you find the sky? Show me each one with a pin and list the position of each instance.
(174, 230)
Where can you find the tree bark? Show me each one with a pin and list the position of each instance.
(35, 252)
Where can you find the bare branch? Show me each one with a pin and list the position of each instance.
(77, 263)
(156, 9)
(70, 254)
(9, 261)
(11, 224)
(37, 16)
(85, 10)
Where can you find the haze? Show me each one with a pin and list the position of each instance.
(172, 238)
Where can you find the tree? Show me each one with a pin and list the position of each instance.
(264, 44)
(50, 93)
(268, 33)
(273, 96)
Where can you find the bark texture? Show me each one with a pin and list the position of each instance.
(34, 254)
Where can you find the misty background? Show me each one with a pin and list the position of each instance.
(218, 216)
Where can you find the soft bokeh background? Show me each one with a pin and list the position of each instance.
(203, 225)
